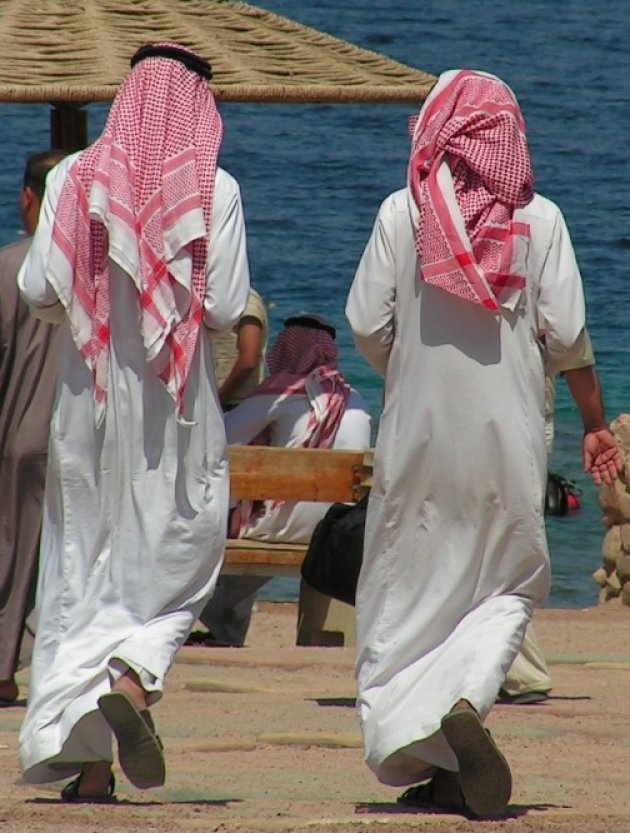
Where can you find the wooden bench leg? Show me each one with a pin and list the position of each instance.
(324, 621)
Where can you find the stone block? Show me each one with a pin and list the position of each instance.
(610, 519)
(610, 591)
(611, 548)
(613, 583)
(623, 566)
(615, 500)
(609, 503)
(606, 595)
(620, 428)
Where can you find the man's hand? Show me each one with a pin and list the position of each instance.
(602, 458)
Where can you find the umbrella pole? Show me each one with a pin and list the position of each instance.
(68, 126)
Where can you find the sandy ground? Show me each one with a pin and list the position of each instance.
(265, 738)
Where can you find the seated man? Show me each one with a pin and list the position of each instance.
(304, 403)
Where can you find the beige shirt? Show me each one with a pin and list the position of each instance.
(225, 349)
(581, 355)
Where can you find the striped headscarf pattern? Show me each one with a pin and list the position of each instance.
(469, 168)
(303, 360)
(142, 196)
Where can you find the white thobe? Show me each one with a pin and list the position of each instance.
(135, 510)
(286, 419)
(455, 553)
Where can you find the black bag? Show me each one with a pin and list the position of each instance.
(561, 495)
(335, 552)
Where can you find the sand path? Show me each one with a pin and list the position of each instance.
(265, 738)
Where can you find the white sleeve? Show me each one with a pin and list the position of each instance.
(249, 418)
(227, 271)
(35, 289)
(356, 424)
(371, 301)
(561, 297)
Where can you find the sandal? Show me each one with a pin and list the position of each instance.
(140, 750)
(70, 793)
(486, 780)
(442, 792)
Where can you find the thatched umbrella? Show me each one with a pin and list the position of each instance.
(71, 53)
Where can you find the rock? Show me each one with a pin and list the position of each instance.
(614, 576)
(611, 548)
(609, 502)
(608, 593)
(611, 518)
(613, 584)
(623, 566)
(624, 498)
(612, 588)
(620, 428)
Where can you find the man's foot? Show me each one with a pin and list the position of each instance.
(130, 684)
(95, 785)
(486, 780)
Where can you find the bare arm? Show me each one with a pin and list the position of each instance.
(585, 389)
(250, 333)
(602, 458)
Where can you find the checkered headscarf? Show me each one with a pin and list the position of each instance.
(469, 169)
(142, 196)
(303, 360)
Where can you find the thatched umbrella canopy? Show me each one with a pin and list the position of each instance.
(71, 53)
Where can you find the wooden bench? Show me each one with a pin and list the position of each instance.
(324, 475)
(314, 474)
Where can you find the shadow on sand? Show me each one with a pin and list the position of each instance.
(129, 802)
(513, 811)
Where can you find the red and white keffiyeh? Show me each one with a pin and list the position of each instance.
(303, 360)
(469, 169)
(142, 196)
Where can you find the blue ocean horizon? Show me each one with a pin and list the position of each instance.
(313, 176)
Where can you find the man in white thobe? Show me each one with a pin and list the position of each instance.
(140, 254)
(445, 306)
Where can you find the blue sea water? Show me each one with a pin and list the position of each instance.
(312, 178)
